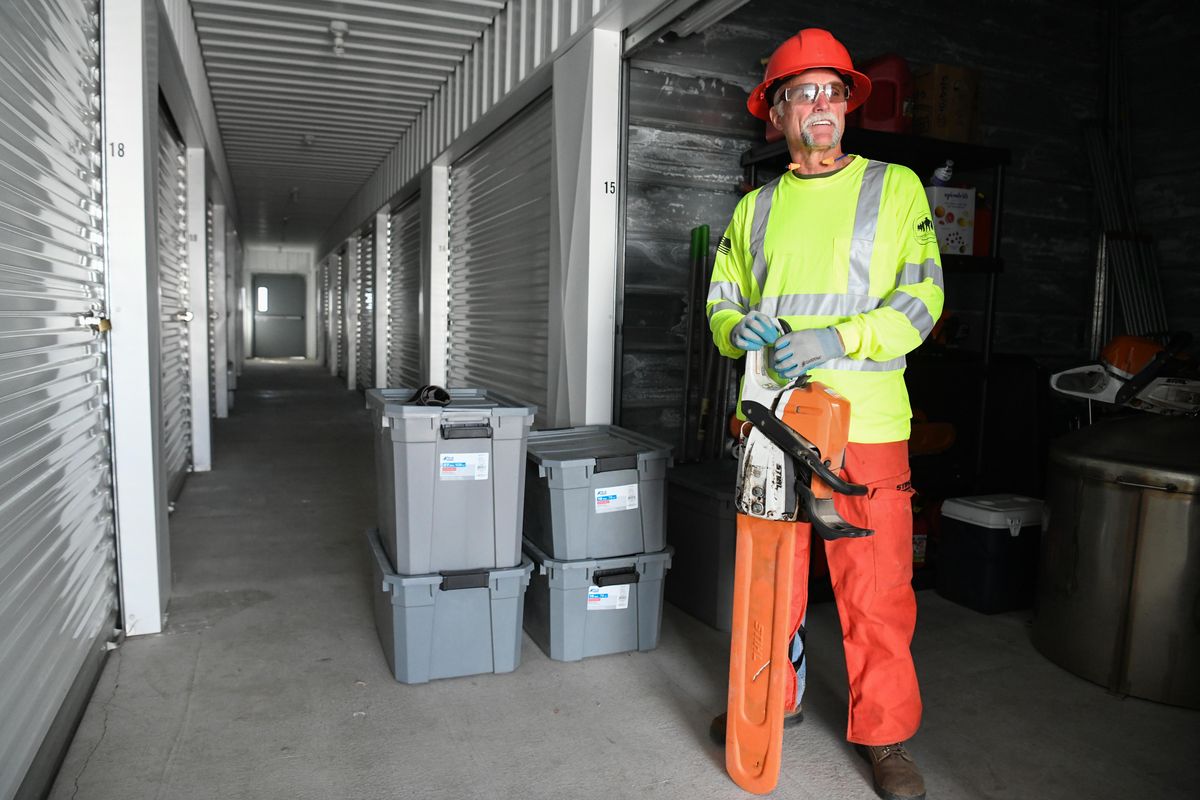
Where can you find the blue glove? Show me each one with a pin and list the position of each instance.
(799, 351)
(755, 331)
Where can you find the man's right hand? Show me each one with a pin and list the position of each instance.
(755, 331)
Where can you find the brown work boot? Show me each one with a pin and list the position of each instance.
(716, 731)
(896, 774)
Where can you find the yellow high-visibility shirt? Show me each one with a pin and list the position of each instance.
(854, 249)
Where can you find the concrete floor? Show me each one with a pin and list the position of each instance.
(269, 681)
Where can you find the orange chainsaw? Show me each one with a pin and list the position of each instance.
(788, 473)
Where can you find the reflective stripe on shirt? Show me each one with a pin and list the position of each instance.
(914, 309)
(863, 365)
(915, 273)
(866, 219)
(818, 305)
(758, 231)
(724, 295)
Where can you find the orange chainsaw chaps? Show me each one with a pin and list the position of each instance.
(759, 666)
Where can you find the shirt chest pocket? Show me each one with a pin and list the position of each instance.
(810, 265)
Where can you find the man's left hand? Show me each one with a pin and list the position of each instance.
(799, 351)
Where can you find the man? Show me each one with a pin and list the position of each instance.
(842, 249)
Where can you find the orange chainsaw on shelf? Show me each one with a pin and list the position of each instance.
(788, 473)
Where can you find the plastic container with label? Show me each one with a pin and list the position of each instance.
(595, 492)
(594, 607)
(450, 479)
(702, 531)
(450, 624)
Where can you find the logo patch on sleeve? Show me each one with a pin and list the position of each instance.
(923, 231)
(723, 247)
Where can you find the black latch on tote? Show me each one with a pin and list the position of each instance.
(467, 430)
(614, 463)
(615, 577)
(464, 579)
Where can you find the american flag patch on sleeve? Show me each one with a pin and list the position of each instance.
(723, 246)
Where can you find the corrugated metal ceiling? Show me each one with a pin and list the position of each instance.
(304, 127)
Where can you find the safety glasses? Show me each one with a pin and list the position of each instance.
(807, 93)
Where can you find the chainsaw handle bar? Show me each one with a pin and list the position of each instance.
(819, 512)
(797, 447)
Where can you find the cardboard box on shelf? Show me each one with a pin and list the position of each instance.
(946, 102)
(953, 218)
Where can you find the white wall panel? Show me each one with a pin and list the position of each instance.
(130, 109)
(382, 227)
(583, 261)
(198, 254)
(435, 269)
(220, 314)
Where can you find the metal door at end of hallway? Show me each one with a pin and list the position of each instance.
(279, 319)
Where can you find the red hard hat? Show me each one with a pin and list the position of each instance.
(811, 48)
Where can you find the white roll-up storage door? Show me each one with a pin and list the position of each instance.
(339, 310)
(210, 256)
(364, 342)
(322, 311)
(173, 293)
(499, 271)
(57, 565)
(404, 296)
(330, 338)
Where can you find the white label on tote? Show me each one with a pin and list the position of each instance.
(608, 598)
(464, 467)
(617, 498)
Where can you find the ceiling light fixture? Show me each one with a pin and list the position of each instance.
(340, 31)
